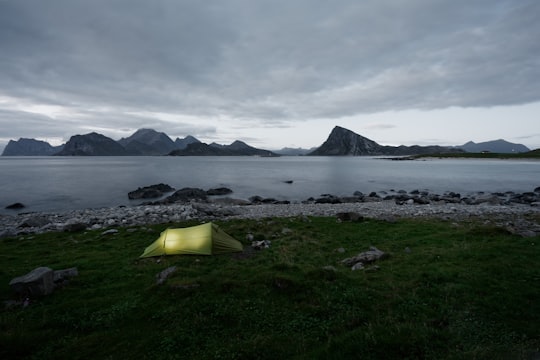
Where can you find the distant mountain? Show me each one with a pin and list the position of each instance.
(148, 142)
(30, 147)
(344, 142)
(286, 151)
(495, 146)
(181, 144)
(237, 148)
(92, 144)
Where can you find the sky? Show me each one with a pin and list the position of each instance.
(272, 73)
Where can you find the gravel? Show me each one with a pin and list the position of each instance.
(517, 217)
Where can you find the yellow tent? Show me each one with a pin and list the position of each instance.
(205, 239)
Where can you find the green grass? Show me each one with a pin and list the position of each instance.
(461, 292)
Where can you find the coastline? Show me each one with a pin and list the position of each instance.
(522, 219)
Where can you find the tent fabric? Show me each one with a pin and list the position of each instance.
(205, 239)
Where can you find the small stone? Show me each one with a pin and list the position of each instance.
(357, 266)
(109, 232)
(162, 276)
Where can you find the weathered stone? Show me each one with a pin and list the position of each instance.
(61, 277)
(34, 221)
(366, 257)
(349, 216)
(164, 275)
(259, 245)
(8, 233)
(186, 195)
(219, 191)
(15, 206)
(357, 266)
(149, 192)
(74, 226)
(328, 199)
(109, 232)
(38, 282)
(373, 268)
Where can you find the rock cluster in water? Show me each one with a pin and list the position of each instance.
(507, 209)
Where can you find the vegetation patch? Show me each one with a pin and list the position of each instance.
(447, 291)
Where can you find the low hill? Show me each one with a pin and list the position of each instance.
(30, 147)
(494, 146)
(237, 148)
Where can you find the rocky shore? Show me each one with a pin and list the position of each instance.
(518, 213)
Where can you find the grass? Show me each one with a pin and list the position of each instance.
(460, 291)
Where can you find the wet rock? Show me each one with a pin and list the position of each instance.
(15, 206)
(219, 191)
(150, 192)
(185, 195)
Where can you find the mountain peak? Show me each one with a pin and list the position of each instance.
(343, 141)
(148, 142)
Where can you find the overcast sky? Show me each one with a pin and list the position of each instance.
(273, 73)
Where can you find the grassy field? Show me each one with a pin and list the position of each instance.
(447, 291)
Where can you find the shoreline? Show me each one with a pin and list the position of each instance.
(522, 219)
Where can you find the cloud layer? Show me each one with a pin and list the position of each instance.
(118, 65)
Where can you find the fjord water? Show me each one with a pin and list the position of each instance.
(65, 183)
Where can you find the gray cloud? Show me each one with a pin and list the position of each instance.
(260, 61)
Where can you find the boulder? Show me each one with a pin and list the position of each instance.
(186, 195)
(15, 206)
(219, 191)
(366, 257)
(34, 222)
(328, 199)
(38, 282)
(62, 277)
(150, 192)
(162, 276)
(349, 216)
(74, 226)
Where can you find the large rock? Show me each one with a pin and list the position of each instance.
(34, 221)
(365, 257)
(36, 283)
(219, 191)
(187, 194)
(150, 192)
(15, 206)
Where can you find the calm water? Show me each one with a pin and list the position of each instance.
(62, 183)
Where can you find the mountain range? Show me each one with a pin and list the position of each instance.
(148, 142)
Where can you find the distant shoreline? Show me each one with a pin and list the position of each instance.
(531, 155)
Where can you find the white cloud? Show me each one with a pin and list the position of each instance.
(263, 70)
